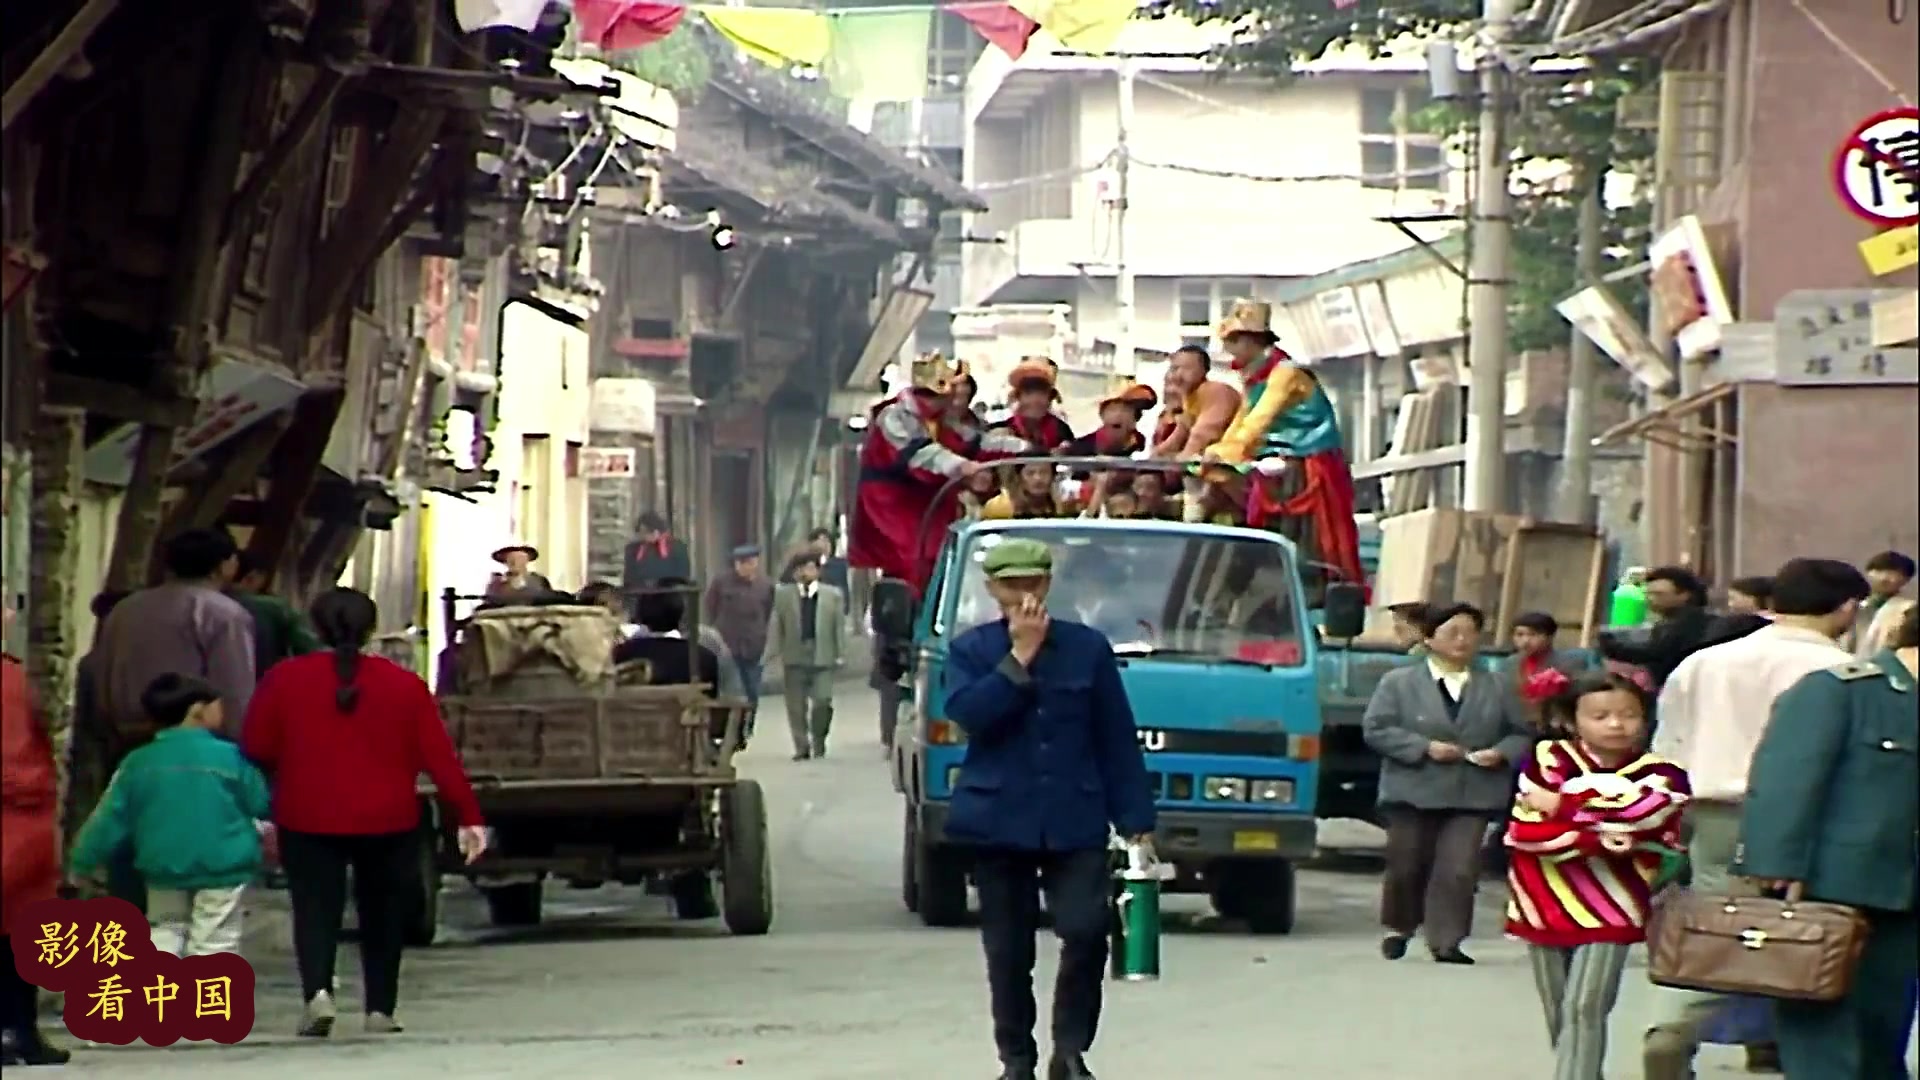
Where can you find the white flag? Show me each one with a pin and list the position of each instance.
(475, 15)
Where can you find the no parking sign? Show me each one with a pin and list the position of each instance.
(1877, 168)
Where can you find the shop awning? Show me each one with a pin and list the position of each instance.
(1896, 321)
(1678, 424)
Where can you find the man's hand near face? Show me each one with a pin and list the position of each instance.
(1027, 622)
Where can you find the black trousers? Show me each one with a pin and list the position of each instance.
(19, 998)
(385, 888)
(1079, 887)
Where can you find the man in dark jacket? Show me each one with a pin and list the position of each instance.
(652, 557)
(1831, 809)
(1053, 759)
(1679, 598)
(1749, 607)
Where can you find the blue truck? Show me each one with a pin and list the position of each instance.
(1219, 654)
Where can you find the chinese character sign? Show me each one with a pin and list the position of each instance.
(1877, 170)
(118, 987)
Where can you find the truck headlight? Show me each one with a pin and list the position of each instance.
(1272, 791)
(1226, 789)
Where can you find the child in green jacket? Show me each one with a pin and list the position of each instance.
(190, 809)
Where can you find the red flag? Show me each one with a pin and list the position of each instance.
(1000, 24)
(626, 24)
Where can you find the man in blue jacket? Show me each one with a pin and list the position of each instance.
(1052, 761)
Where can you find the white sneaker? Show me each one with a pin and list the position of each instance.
(317, 1021)
(382, 1024)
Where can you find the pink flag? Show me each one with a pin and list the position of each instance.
(626, 24)
(1000, 24)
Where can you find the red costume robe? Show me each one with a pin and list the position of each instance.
(913, 449)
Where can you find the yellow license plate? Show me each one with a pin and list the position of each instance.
(1256, 840)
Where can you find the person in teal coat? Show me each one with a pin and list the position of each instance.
(1833, 806)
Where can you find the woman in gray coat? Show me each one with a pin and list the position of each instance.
(1448, 739)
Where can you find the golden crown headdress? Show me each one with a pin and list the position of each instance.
(935, 372)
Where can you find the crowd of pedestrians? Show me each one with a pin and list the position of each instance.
(229, 725)
(1739, 751)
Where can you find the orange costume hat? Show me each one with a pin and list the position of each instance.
(1137, 396)
(1033, 373)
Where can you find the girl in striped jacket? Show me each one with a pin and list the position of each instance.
(1595, 832)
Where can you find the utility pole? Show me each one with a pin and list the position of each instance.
(1576, 454)
(1123, 362)
(1491, 241)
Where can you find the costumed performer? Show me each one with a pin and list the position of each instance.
(1033, 390)
(1283, 450)
(913, 447)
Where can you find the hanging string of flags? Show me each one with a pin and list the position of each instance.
(869, 53)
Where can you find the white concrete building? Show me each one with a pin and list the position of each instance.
(1309, 168)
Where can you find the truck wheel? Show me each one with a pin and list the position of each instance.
(940, 884)
(692, 894)
(1259, 893)
(514, 905)
(746, 866)
(909, 860)
(423, 921)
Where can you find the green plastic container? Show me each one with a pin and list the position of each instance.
(1135, 952)
(1629, 605)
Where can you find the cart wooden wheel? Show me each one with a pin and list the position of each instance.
(423, 922)
(746, 866)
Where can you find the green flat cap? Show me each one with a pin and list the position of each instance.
(1018, 557)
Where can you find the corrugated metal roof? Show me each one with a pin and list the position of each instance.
(1406, 260)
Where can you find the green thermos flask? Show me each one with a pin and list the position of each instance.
(1135, 952)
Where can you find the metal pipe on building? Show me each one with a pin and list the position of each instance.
(1576, 454)
(1123, 362)
(1492, 239)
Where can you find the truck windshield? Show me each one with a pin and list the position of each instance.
(1189, 596)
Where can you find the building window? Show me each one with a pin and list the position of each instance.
(1201, 303)
(1394, 154)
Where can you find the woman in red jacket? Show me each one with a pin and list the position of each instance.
(343, 738)
(29, 862)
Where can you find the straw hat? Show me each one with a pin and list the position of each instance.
(500, 555)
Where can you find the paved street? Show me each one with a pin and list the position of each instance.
(849, 987)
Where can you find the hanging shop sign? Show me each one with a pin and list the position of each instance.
(1689, 299)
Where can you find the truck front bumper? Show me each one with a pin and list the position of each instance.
(1193, 836)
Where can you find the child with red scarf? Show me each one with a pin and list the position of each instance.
(1033, 393)
(1117, 436)
(1594, 835)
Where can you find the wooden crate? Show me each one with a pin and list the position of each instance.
(627, 733)
(1503, 564)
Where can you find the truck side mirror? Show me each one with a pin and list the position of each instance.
(892, 609)
(1343, 616)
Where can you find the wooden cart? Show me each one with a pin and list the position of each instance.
(599, 781)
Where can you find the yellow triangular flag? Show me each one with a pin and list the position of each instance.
(778, 36)
(1082, 26)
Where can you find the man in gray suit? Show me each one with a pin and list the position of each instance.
(809, 636)
(1448, 737)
